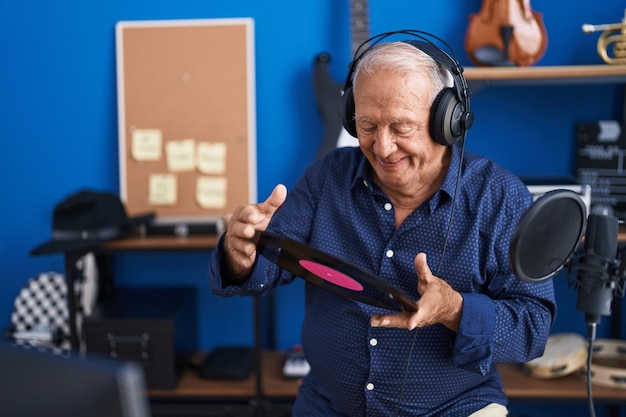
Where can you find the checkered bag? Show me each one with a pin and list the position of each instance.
(40, 316)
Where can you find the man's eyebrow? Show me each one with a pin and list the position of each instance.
(389, 121)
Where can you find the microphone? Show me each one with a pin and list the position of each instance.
(546, 239)
(598, 268)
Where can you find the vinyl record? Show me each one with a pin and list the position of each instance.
(346, 280)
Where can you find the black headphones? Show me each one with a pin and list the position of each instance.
(450, 115)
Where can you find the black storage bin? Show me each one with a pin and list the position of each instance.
(155, 327)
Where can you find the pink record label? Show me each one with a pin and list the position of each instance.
(331, 275)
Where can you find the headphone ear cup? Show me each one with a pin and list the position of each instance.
(445, 118)
(346, 109)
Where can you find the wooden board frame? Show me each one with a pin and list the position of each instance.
(186, 91)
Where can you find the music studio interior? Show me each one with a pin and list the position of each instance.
(82, 108)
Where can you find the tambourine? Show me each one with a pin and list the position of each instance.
(608, 363)
(565, 353)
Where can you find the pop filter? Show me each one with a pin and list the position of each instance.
(547, 235)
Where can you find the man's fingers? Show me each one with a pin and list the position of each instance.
(246, 219)
(403, 320)
(242, 251)
(274, 201)
(408, 320)
(243, 228)
(424, 275)
(421, 266)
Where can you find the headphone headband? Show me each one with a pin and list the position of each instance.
(418, 34)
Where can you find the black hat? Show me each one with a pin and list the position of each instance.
(87, 218)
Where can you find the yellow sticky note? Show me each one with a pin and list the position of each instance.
(146, 144)
(211, 192)
(181, 155)
(211, 157)
(162, 190)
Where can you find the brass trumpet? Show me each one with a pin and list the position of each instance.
(612, 41)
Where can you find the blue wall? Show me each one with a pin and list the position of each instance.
(58, 121)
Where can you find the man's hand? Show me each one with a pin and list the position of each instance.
(439, 303)
(241, 227)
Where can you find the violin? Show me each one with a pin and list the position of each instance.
(506, 33)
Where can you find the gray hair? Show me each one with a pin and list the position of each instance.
(406, 58)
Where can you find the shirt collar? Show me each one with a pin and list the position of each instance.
(449, 182)
(364, 173)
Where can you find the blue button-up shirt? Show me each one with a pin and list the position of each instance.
(359, 370)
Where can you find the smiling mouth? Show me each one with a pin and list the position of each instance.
(390, 164)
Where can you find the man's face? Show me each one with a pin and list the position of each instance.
(392, 113)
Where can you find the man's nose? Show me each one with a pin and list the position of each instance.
(385, 143)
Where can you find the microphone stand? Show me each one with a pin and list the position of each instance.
(597, 278)
(591, 337)
(612, 276)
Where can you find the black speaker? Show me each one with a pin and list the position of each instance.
(450, 115)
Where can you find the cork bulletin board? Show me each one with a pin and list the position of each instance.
(186, 115)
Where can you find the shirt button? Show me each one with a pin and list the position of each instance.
(365, 183)
(373, 342)
(387, 206)
(370, 386)
(389, 253)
